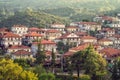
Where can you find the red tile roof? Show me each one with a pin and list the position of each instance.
(33, 29)
(110, 52)
(19, 26)
(45, 42)
(67, 54)
(79, 48)
(88, 37)
(21, 52)
(52, 31)
(11, 35)
(33, 34)
(19, 47)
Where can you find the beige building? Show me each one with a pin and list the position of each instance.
(19, 29)
(59, 27)
(70, 38)
(105, 42)
(52, 34)
(47, 45)
(72, 28)
(22, 54)
(10, 39)
(88, 39)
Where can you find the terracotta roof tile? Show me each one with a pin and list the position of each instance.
(110, 52)
(33, 34)
(52, 31)
(19, 26)
(45, 42)
(19, 47)
(88, 37)
(10, 34)
(21, 52)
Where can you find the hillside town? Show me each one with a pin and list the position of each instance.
(22, 41)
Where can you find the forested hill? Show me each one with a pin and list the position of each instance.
(50, 4)
(75, 10)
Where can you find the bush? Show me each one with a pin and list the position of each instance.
(85, 77)
(47, 76)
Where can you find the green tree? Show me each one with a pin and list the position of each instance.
(47, 76)
(40, 56)
(12, 71)
(53, 60)
(39, 69)
(22, 62)
(77, 59)
(116, 69)
(94, 64)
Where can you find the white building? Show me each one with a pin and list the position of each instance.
(10, 39)
(19, 29)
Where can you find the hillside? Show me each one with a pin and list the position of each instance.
(75, 10)
(32, 19)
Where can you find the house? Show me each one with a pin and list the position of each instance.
(89, 26)
(33, 29)
(14, 48)
(47, 45)
(106, 32)
(10, 39)
(105, 42)
(33, 36)
(22, 54)
(102, 19)
(88, 39)
(52, 34)
(110, 53)
(19, 29)
(70, 38)
(72, 28)
(81, 47)
(58, 26)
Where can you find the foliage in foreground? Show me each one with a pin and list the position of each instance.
(12, 71)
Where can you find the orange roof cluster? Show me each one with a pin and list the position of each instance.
(45, 42)
(21, 52)
(52, 31)
(33, 34)
(88, 37)
(79, 48)
(110, 52)
(11, 35)
(19, 47)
